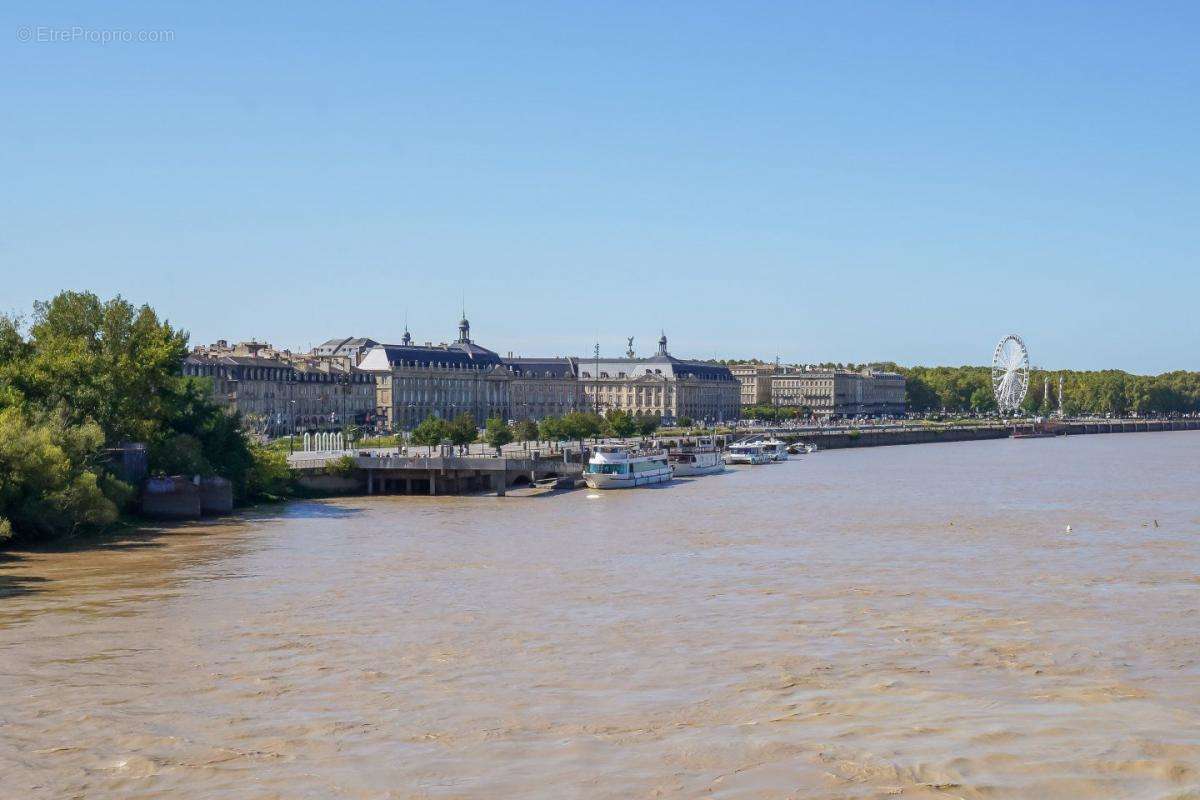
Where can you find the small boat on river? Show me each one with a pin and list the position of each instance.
(619, 466)
(698, 458)
(752, 453)
(776, 449)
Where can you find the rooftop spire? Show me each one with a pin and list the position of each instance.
(464, 328)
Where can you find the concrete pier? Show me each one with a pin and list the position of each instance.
(433, 475)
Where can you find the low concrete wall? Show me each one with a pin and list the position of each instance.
(884, 437)
(171, 498)
(1126, 426)
(216, 496)
(332, 484)
(868, 437)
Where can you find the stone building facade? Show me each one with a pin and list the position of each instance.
(840, 393)
(542, 387)
(276, 395)
(755, 380)
(661, 385)
(416, 381)
(445, 380)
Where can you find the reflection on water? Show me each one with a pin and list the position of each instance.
(904, 620)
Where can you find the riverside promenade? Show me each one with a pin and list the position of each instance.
(448, 470)
(840, 437)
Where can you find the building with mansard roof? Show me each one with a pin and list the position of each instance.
(351, 348)
(661, 385)
(416, 381)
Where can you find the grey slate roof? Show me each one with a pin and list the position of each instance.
(542, 367)
(468, 357)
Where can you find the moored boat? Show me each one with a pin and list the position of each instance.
(752, 453)
(699, 458)
(776, 449)
(619, 466)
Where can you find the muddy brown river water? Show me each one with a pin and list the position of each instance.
(900, 621)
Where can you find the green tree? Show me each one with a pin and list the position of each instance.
(685, 422)
(462, 430)
(764, 413)
(580, 425)
(983, 399)
(92, 373)
(51, 479)
(551, 429)
(919, 395)
(120, 367)
(269, 476)
(430, 432)
(224, 448)
(622, 423)
(181, 454)
(648, 423)
(106, 362)
(497, 433)
(526, 431)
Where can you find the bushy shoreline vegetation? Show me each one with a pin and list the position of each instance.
(87, 375)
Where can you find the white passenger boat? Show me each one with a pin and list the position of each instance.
(752, 453)
(618, 466)
(699, 458)
(776, 449)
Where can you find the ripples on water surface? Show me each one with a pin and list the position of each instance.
(904, 620)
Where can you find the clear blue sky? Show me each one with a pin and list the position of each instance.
(819, 181)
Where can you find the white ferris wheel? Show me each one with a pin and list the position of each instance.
(1010, 373)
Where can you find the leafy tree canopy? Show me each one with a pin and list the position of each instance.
(622, 423)
(526, 431)
(430, 432)
(551, 429)
(462, 430)
(90, 374)
(497, 433)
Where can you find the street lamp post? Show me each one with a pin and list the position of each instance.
(345, 382)
(291, 381)
(596, 385)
